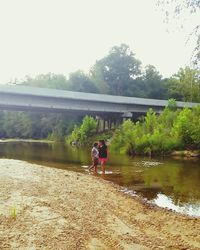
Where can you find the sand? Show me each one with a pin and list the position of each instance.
(58, 209)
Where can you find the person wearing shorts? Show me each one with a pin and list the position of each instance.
(103, 154)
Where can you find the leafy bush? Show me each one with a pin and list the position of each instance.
(159, 134)
(83, 133)
(172, 105)
(187, 127)
(122, 141)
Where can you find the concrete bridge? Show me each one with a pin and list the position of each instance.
(23, 98)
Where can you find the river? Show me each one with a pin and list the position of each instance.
(166, 182)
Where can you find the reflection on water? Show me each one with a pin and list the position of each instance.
(166, 202)
(166, 182)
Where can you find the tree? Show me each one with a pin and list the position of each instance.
(78, 81)
(185, 85)
(118, 70)
(154, 86)
(97, 77)
(49, 80)
(17, 125)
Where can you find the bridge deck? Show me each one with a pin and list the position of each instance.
(23, 97)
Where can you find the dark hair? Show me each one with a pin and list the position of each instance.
(95, 144)
(102, 141)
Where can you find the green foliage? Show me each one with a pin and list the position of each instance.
(181, 128)
(78, 81)
(153, 85)
(120, 73)
(187, 127)
(172, 105)
(16, 124)
(97, 77)
(35, 125)
(13, 213)
(159, 134)
(49, 80)
(195, 127)
(123, 138)
(82, 134)
(117, 70)
(185, 85)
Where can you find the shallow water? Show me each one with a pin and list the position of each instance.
(165, 182)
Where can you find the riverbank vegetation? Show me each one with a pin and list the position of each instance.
(159, 134)
(81, 134)
(173, 129)
(86, 133)
(25, 125)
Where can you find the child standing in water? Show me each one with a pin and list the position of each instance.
(103, 154)
(95, 157)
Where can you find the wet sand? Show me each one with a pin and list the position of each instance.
(58, 209)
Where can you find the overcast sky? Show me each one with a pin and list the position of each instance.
(62, 36)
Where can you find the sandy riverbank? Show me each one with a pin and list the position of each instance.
(57, 209)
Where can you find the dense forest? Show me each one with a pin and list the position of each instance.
(118, 73)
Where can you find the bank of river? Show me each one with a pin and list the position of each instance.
(59, 209)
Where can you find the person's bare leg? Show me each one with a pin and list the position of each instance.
(95, 169)
(103, 168)
(91, 167)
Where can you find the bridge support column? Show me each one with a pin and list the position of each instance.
(105, 123)
(127, 115)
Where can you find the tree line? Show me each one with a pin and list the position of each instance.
(33, 125)
(121, 73)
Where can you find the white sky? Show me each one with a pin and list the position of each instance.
(62, 36)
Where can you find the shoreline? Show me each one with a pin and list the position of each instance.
(186, 154)
(64, 209)
(147, 203)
